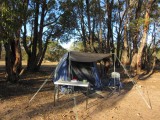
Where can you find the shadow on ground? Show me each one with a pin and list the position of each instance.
(29, 83)
(43, 104)
(95, 103)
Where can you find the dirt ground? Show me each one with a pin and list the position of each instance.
(134, 102)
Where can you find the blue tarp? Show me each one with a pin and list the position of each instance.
(81, 70)
(61, 72)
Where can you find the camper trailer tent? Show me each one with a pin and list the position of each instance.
(80, 66)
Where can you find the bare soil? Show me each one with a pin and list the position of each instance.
(140, 102)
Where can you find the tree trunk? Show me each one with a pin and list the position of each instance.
(9, 62)
(40, 33)
(90, 39)
(0, 50)
(13, 60)
(125, 49)
(36, 55)
(133, 64)
(135, 39)
(18, 56)
(100, 29)
(125, 59)
(118, 48)
(110, 43)
(143, 40)
(154, 49)
(32, 60)
(109, 24)
(81, 12)
(43, 53)
(136, 33)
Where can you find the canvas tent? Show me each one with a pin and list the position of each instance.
(81, 66)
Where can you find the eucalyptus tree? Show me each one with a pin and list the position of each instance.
(110, 42)
(120, 31)
(48, 20)
(150, 49)
(139, 28)
(135, 31)
(12, 17)
(93, 24)
(90, 24)
(125, 47)
(0, 49)
(136, 21)
(144, 34)
(37, 10)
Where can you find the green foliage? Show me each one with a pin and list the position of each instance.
(66, 19)
(54, 51)
(135, 24)
(158, 53)
(77, 46)
(24, 55)
(156, 11)
(11, 12)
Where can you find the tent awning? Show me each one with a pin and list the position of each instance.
(87, 57)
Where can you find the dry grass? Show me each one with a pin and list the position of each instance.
(128, 105)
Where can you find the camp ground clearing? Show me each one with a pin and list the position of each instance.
(14, 103)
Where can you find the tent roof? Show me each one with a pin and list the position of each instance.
(87, 57)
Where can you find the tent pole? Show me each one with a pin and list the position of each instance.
(134, 83)
(114, 69)
(69, 75)
(69, 66)
(114, 60)
(41, 86)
